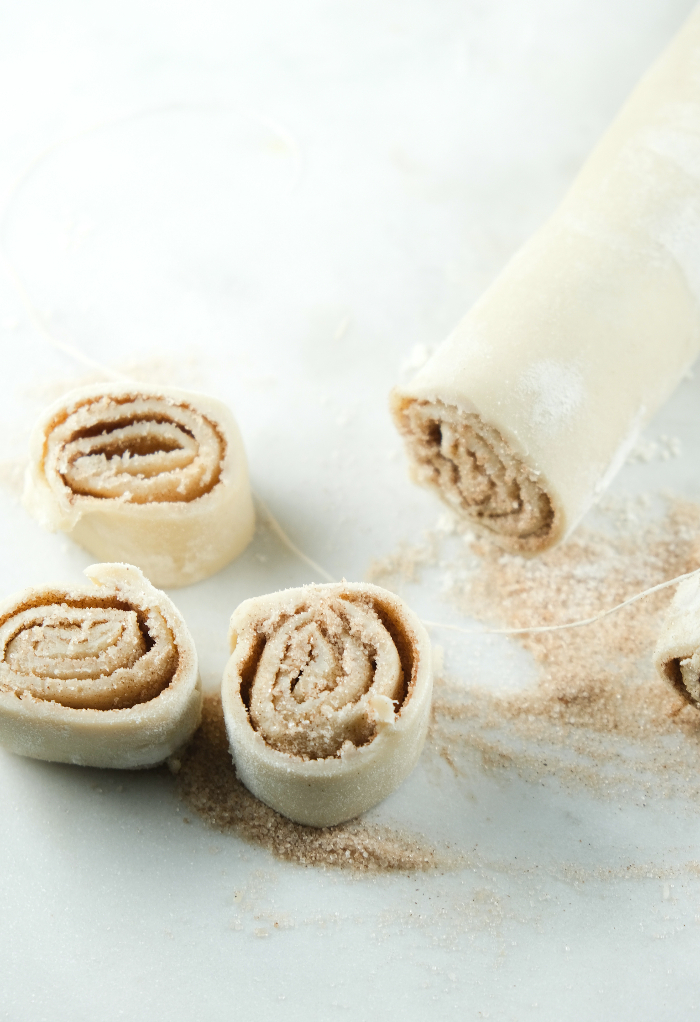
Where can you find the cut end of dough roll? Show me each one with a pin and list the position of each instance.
(326, 698)
(103, 675)
(525, 413)
(476, 473)
(153, 476)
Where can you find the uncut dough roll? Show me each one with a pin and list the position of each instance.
(326, 698)
(103, 675)
(525, 413)
(152, 476)
(677, 653)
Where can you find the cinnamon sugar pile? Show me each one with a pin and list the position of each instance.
(207, 782)
(598, 716)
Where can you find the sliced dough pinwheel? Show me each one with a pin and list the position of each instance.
(528, 409)
(677, 653)
(153, 476)
(101, 675)
(326, 698)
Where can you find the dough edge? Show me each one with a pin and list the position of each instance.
(142, 735)
(169, 541)
(325, 792)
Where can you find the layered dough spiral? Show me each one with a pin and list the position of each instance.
(152, 476)
(326, 698)
(528, 409)
(477, 473)
(103, 675)
(677, 653)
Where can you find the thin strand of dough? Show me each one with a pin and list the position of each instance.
(568, 624)
(289, 543)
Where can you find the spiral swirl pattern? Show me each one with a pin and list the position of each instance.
(151, 476)
(326, 698)
(92, 652)
(328, 673)
(475, 471)
(140, 448)
(101, 675)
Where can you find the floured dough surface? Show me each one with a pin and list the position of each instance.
(527, 410)
(470, 465)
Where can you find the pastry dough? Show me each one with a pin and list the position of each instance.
(326, 698)
(677, 653)
(103, 675)
(526, 412)
(153, 476)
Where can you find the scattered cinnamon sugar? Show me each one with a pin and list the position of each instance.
(207, 782)
(598, 716)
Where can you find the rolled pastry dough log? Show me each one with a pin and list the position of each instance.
(48, 634)
(326, 698)
(529, 408)
(677, 653)
(152, 476)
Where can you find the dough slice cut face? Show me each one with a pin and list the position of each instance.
(472, 468)
(103, 675)
(326, 698)
(155, 477)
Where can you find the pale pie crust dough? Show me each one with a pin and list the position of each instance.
(677, 653)
(101, 675)
(326, 698)
(151, 476)
(529, 408)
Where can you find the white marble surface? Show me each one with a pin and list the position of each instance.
(280, 203)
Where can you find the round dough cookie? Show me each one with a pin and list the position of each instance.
(101, 675)
(326, 698)
(152, 476)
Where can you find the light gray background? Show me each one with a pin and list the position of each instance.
(287, 205)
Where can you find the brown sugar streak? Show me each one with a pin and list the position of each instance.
(207, 782)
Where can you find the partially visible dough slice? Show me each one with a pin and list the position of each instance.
(326, 698)
(103, 675)
(677, 653)
(152, 476)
